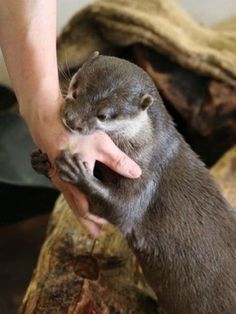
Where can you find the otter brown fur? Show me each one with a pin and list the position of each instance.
(174, 217)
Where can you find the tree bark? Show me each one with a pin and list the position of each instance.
(76, 274)
(203, 108)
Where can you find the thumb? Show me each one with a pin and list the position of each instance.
(110, 155)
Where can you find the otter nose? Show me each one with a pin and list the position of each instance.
(75, 123)
(78, 125)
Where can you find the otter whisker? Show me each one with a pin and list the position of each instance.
(68, 69)
(63, 73)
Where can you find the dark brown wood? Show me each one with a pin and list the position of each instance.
(203, 108)
(76, 274)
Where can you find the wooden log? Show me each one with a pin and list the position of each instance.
(76, 274)
(203, 108)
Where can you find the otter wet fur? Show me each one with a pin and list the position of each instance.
(174, 217)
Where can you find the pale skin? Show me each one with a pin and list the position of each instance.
(28, 42)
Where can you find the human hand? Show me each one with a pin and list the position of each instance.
(51, 136)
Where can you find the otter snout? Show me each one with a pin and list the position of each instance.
(75, 124)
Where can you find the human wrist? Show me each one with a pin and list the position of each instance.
(42, 117)
(43, 106)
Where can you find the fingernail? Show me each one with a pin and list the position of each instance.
(135, 172)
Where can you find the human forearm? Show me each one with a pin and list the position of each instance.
(28, 41)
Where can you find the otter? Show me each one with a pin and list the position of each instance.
(174, 216)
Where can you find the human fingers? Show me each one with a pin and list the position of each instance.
(109, 154)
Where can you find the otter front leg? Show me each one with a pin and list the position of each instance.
(40, 162)
(73, 170)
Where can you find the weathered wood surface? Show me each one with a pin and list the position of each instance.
(76, 275)
(204, 108)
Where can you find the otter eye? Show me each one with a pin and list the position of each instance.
(74, 94)
(75, 85)
(102, 116)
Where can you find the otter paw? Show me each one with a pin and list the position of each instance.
(72, 169)
(40, 162)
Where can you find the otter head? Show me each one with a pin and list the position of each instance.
(106, 94)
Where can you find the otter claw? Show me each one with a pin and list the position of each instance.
(72, 169)
(40, 162)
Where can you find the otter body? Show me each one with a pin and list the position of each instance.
(174, 217)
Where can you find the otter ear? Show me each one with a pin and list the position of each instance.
(93, 56)
(146, 101)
